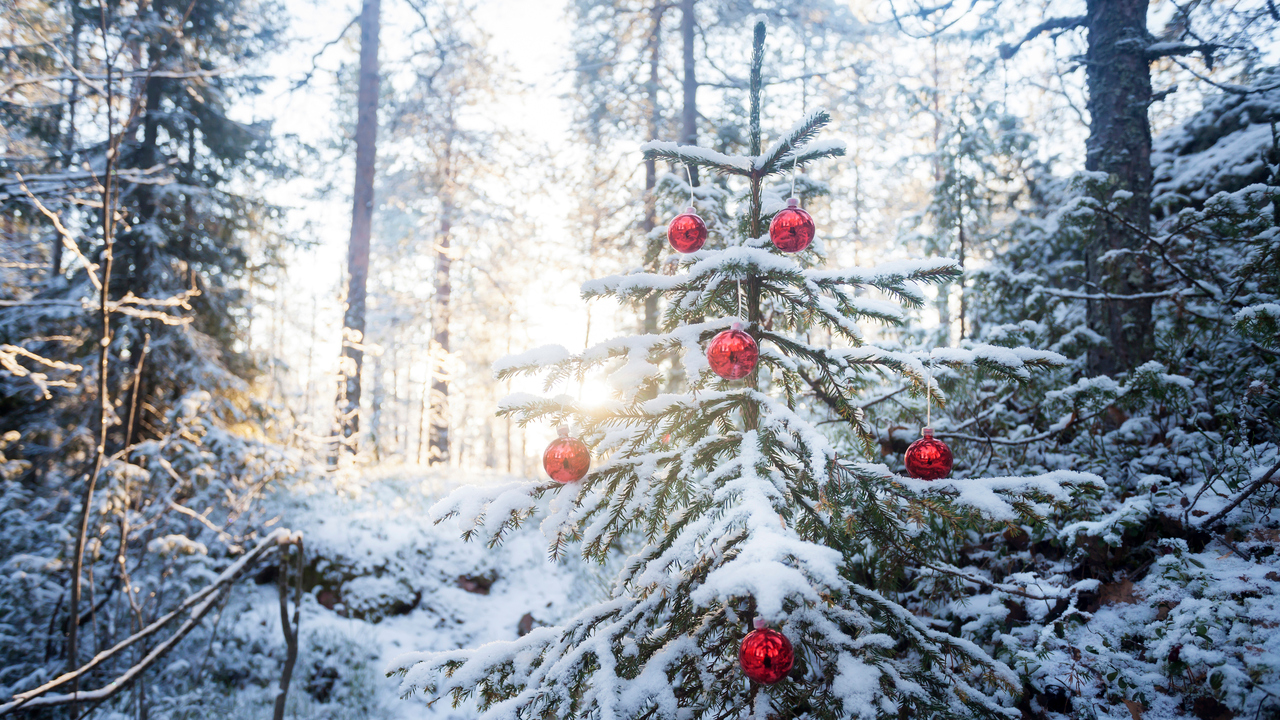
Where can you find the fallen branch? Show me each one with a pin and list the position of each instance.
(1253, 488)
(199, 604)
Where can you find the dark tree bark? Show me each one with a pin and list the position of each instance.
(69, 136)
(134, 252)
(353, 324)
(1119, 85)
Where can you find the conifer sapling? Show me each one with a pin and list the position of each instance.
(734, 505)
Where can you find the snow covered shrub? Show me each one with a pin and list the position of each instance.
(170, 513)
(338, 680)
(1175, 559)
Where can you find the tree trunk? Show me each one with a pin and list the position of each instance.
(963, 304)
(69, 136)
(651, 166)
(438, 442)
(689, 136)
(750, 412)
(424, 406)
(1119, 84)
(438, 439)
(136, 251)
(361, 225)
(375, 410)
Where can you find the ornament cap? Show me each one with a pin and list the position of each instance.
(691, 210)
(759, 623)
(927, 432)
(793, 202)
(736, 326)
(563, 430)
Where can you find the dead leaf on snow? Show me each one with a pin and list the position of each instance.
(1120, 592)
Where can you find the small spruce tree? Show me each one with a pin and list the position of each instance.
(743, 508)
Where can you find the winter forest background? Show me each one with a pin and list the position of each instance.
(233, 451)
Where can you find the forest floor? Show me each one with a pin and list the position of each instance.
(394, 583)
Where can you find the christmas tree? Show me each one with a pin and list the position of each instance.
(769, 563)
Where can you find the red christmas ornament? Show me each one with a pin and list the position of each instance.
(792, 228)
(928, 458)
(765, 655)
(733, 353)
(687, 232)
(567, 459)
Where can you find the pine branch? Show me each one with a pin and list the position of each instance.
(804, 131)
(832, 150)
(695, 156)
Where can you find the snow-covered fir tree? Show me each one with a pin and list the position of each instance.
(733, 503)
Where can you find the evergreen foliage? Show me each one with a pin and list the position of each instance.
(739, 505)
(146, 130)
(1179, 543)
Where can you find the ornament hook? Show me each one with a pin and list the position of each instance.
(928, 402)
(794, 159)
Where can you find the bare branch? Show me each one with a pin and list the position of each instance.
(1227, 87)
(316, 57)
(199, 604)
(1062, 23)
(1162, 50)
(65, 234)
(82, 77)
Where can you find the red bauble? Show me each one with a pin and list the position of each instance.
(733, 353)
(567, 459)
(792, 228)
(687, 232)
(766, 655)
(928, 458)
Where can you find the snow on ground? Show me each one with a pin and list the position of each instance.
(400, 584)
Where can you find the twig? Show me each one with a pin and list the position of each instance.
(316, 57)
(1225, 87)
(67, 240)
(165, 74)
